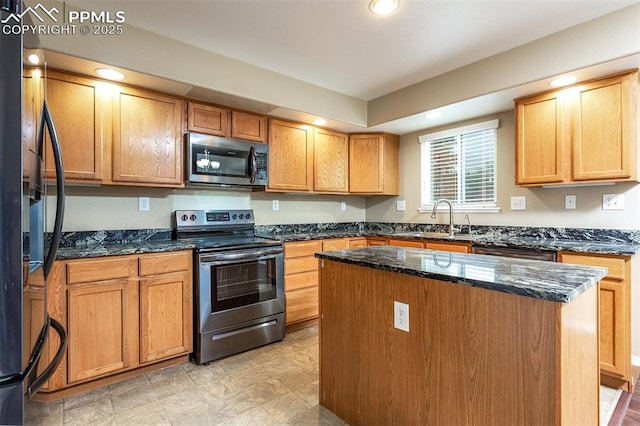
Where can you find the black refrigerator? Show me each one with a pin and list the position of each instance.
(21, 371)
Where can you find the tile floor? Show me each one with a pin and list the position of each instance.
(272, 385)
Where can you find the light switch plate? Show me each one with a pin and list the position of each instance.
(400, 206)
(343, 205)
(612, 201)
(519, 203)
(275, 205)
(570, 202)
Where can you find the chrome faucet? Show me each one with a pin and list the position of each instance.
(435, 209)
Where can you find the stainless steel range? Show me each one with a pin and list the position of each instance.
(238, 282)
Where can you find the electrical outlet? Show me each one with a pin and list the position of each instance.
(343, 205)
(400, 206)
(143, 204)
(275, 205)
(519, 203)
(612, 201)
(570, 202)
(401, 316)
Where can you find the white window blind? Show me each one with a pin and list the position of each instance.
(459, 165)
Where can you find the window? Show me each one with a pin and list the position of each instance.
(460, 165)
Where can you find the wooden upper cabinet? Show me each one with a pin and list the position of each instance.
(290, 156)
(81, 115)
(584, 133)
(540, 141)
(331, 161)
(605, 129)
(147, 139)
(220, 121)
(373, 164)
(252, 127)
(208, 119)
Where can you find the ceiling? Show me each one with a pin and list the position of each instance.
(339, 45)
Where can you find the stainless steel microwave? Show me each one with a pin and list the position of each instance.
(218, 161)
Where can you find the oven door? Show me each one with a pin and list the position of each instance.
(239, 285)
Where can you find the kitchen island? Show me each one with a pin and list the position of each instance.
(490, 341)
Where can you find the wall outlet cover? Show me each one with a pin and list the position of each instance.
(400, 205)
(343, 205)
(401, 316)
(143, 204)
(612, 201)
(275, 205)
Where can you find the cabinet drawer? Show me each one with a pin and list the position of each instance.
(300, 264)
(405, 243)
(615, 265)
(460, 248)
(301, 305)
(301, 280)
(335, 244)
(302, 248)
(163, 263)
(101, 269)
(357, 243)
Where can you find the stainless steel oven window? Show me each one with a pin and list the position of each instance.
(240, 278)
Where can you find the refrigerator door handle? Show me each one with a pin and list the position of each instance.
(46, 119)
(35, 383)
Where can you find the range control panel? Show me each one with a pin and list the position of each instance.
(206, 218)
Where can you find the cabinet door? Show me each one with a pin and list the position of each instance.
(376, 242)
(366, 171)
(540, 140)
(165, 317)
(604, 138)
(331, 161)
(301, 305)
(335, 244)
(251, 127)
(147, 140)
(102, 328)
(81, 113)
(290, 156)
(208, 119)
(357, 243)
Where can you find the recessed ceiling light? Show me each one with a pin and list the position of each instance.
(319, 121)
(433, 114)
(563, 81)
(34, 59)
(109, 74)
(383, 7)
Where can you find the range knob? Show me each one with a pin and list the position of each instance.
(247, 216)
(234, 216)
(241, 216)
(193, 217)
(184, 217)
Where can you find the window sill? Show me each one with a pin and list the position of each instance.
(427, 209)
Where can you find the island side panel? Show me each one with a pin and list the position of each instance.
(472, 356)
(355, 324)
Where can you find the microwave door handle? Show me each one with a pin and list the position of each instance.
(253, 164)
(57, 158)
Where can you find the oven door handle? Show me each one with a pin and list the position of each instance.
(244, 255)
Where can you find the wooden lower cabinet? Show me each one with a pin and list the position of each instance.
(301, 280)
(123, 313)
(376, 241)
(301, 275)
(445, 246)
(616, 326)
(406, 243)
(103, 328)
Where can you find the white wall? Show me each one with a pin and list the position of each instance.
(545, 207)
(113, 208)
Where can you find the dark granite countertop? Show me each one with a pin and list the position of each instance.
(551, 281)
(114, 249)
(485, 240)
